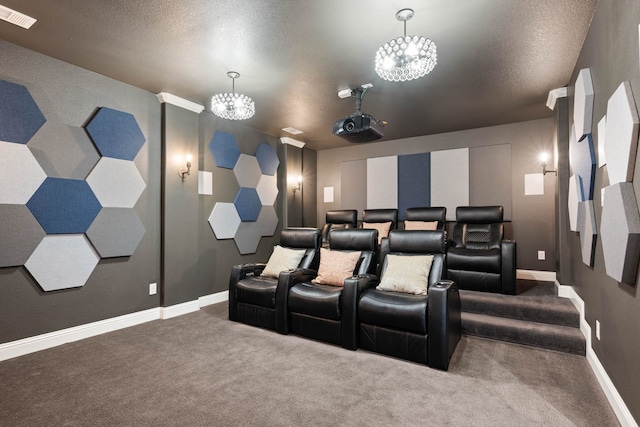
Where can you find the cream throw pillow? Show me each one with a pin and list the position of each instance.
(420, 225)
(282, 259)
(382, 227)
(335, 266)
(408, 274)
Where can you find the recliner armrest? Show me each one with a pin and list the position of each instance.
(352, 288)
(285, 281)
(239, 272)
(443, 322)
(508, 249)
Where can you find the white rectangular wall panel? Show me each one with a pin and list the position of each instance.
(450, 180)
(382, 182)
(205, 183)
(328, 194)
(533, 184)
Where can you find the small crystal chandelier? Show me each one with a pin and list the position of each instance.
(233, 106)
(405, 58)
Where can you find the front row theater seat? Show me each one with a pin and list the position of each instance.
(412, 314)
(479, 260)
(324, 308)
(253, 288)
(343, 218)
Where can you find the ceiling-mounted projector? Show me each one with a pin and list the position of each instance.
(358, 127)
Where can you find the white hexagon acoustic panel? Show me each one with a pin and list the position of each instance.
(20, 173)
(116, 183)
(588, 231)
(583, 104)
(267, 189)
(224, 220)
(247, 171)
(621, 140)
(62, 262)
(574, 198)
(620, 232)
(602, 137)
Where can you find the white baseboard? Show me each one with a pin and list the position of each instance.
(614, 398)
(545, 276)
(213, 298)
(53, 339)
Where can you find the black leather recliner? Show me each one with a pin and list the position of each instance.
(335, 219)
(421, 328)
(328, 313)
(252, 297)
(381, 215)
(479, 260)
(428, 214)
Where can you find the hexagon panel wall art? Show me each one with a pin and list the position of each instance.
(583, 163)
(118, 241)
(574, 198)
(621, 140)
(620, 232)
(224, 149)
(251, 215)
(63, 261)
(20, 173)
(115, 133)
(587, 230)
(20, 117)
(116, 183)
(583, 104)
(21, 235)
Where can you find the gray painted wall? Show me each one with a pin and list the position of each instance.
(611, 51)
(70, 95)
(532, 215)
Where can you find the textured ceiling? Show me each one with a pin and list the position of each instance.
(497, 59)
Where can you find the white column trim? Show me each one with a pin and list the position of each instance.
(179, 102)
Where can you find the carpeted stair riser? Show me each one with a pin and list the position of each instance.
(541, 309)
(542, 335)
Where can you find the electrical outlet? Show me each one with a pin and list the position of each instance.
(541, 255)
(598, 329)
(153, 288)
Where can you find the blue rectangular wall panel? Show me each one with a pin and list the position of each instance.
(414, 182)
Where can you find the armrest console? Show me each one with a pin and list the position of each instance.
(444, 322)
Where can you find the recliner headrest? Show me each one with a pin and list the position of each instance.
(380, 215)
(345, 216)
(426, 214)
(479, 214)
(300, 238)
(418, 241)
(356, 239)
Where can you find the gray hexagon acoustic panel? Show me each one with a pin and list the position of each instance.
(620, 232)
(52, 187)
(588, 231)
(251, 215)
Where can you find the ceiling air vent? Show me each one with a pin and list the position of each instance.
(16, 18)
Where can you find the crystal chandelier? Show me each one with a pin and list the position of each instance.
(233, 106)
(405, 58)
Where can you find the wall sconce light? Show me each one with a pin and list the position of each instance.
(182, 171)
(543, 158)
(299, 187)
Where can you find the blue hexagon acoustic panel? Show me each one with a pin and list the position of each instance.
(64, 206)
(224, 149)
(115, 133)
(248, 204)
(267, 159)
(20, 117)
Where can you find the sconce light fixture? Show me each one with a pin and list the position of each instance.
(299, 187)
(182, 172)
(543, 158)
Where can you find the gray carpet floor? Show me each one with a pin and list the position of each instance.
(201, 369)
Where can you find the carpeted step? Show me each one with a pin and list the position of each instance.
(541, 308)
(543, 335)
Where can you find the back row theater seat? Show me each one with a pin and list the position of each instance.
(335, 219)
(422, 218)
(479, 260)
(383, 220)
